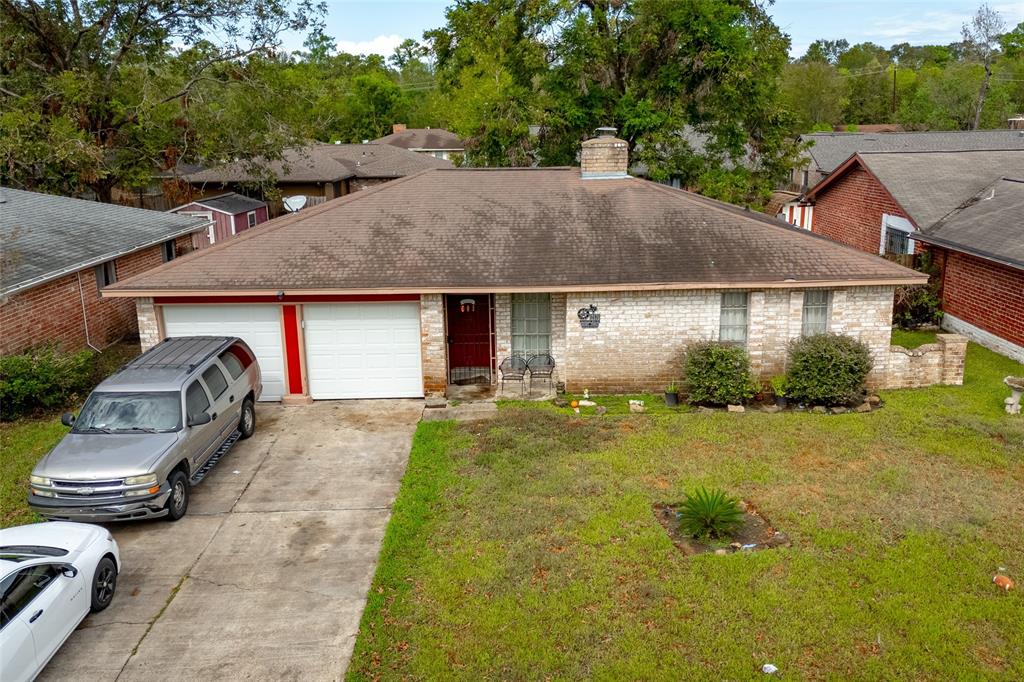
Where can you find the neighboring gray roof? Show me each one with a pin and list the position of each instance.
(320, 162)
(829, 150)
(232, 203)
(46, 236)
(517, 229)
(432, 139)
(990, 225)
(928, 185)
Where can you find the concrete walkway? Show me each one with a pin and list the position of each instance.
(267, 575)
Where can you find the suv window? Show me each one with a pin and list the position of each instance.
(196, 401)
(215, 381)
(231, 363)
(18, 590)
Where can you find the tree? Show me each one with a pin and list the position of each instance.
(825, 51)
(816, 93)
(96, 93)
(981, 39)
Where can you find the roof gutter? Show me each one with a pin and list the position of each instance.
(71, 269)
(281, 294)
(938, 241)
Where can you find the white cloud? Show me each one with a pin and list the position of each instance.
(382, 45)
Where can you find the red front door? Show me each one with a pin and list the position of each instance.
(470, 338)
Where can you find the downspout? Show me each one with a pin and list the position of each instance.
(85, 317)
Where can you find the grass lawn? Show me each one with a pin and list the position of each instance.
(24, 441)
(526, 547)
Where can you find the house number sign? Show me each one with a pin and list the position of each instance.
(589, 317)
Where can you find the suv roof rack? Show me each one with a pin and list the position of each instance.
(181, 352)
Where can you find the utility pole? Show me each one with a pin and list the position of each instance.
(894, 88)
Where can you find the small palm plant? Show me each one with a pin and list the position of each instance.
(709, 514)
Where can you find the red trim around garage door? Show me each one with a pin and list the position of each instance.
(292, 354)
(313, 298)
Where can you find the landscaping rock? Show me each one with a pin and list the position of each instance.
(436, 400)
(819, 409)
(735, 408)
(874, 400)
(863, 407)
(561, 402)
(771, 409)
(840, 410)
(721, 552)
(601, 409)
(705, 410)
(637, 406)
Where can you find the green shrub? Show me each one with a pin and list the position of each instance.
(709, 514)
(43, 380)
(914, 306)
(827, 369)
(718, 374)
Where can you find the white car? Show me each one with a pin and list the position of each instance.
(51, 576)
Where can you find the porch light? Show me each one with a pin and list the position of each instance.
(467, 305)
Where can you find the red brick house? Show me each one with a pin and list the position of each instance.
(899, 203)
(57, 255)
(229, 214)
(434, 279)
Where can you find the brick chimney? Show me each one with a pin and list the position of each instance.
(398, 128)
(604, 156)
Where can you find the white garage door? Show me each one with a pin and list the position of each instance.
(363, 350)
(257, 325)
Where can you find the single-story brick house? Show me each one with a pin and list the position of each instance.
(229, 214)
(59, 252)
(317, 171)
(889, 203)
(403, 289)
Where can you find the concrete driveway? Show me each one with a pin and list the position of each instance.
(267, 575)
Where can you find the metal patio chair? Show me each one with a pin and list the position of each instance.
(541, 366)
(513, 369)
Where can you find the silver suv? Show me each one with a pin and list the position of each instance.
(149, 432)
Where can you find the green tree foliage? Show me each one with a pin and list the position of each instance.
(99, 93)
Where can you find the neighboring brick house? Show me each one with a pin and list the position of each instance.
(434, 279)
(980, 251)
(894, 204)
(318, 172)
(436, 142)
(229, 214)
(57, 254)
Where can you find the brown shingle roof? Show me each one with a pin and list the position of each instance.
(516, 229)
(424, 138)
(321, 162)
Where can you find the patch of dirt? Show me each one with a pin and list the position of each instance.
(755, 534)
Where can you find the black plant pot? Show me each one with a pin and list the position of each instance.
(672, 399)
(781, 401)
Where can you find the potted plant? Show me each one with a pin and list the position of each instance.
(672, 394)
(779, 389)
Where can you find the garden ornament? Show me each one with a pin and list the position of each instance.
(1016, 385)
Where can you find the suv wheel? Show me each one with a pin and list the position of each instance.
(177, 502)
(104, 582)
(247, 422)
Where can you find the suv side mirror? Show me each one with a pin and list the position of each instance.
(199, 419)
(67, 419)
(68, 571)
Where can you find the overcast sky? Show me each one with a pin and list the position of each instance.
(377, 26)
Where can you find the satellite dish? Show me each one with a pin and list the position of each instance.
(294, 203)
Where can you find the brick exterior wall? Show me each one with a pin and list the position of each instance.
(850, 210)
(432, 334)
(148, 323)
(638, 345)
(503, 331)
(52, 312)
(986, 295)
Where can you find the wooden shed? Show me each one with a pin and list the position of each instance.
(231, 213)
